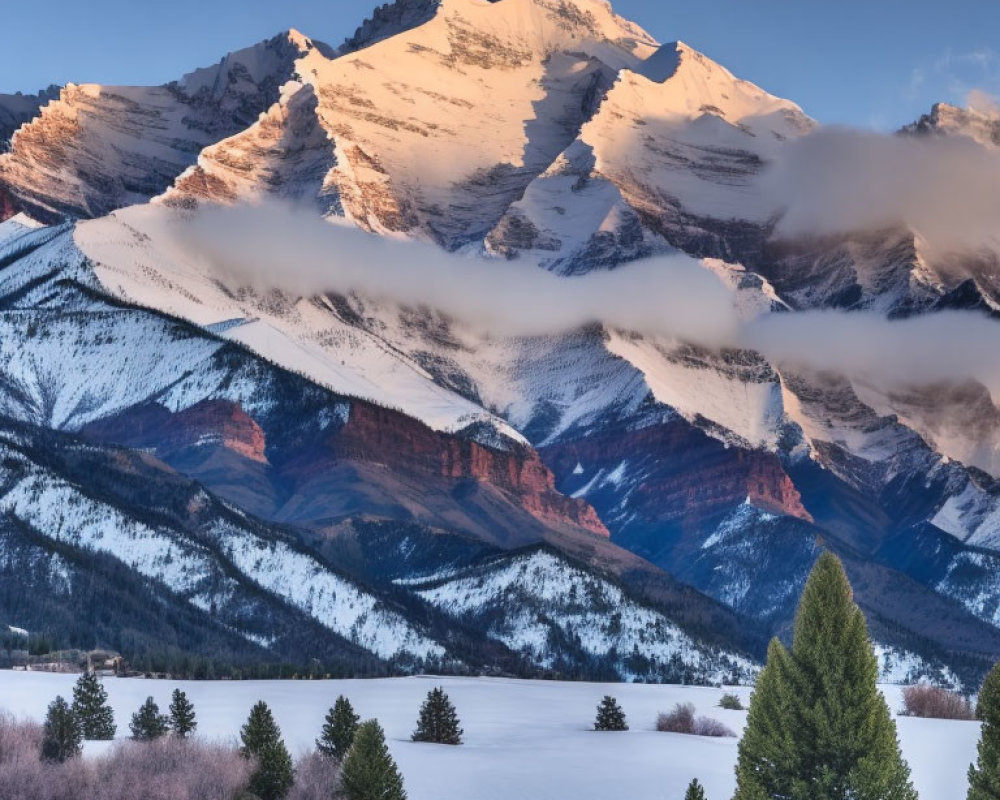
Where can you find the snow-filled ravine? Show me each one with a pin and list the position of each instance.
(524, 740)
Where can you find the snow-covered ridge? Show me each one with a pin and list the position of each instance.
(64, 513)
(537, 598)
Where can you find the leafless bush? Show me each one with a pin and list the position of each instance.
(166, 769)
(172, 769)
(706, 726)
(18, 740)
(316, 777)
(679, 720)
(930, 701)
(25, 776)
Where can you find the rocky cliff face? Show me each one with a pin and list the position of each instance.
(217, 436)
(391, 439)
(677, 476)
(208, 423)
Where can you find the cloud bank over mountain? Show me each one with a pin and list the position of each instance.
(836, 180)
(273, 246)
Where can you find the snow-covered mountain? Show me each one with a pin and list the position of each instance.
(370, 464)
(97, 148)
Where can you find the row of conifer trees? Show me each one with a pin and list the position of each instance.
(367, 768)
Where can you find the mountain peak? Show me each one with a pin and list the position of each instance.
(390, 19)
(528, 18)
(979, 122)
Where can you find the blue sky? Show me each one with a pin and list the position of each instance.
(868, 63)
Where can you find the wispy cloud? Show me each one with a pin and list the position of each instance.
(273, 246)
(836, 180)
(952, 75)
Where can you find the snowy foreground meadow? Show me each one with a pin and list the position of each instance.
(524, 740)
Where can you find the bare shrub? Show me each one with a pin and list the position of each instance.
(316, 777)
(167, 769)
(931, 701)
(706, 726)
(172, 769)
(23, 775)
(18, 740)
(679, 720)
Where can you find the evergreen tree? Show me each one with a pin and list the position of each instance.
(148, 723)
(610, 716)
(818, 728)
(62, 735)
(695, 791)
(984, 775)
(438, 721)
(369, 773)
(261, 740)
(339, 729)
(182, 717)
(90, 704)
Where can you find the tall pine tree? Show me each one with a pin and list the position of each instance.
(148, 723)
(90, 704)
(62, 734)
(610, 716)
(182, 717)
(818, 728)
(984, 775)
(438, 721)
(261, 740)
(339, 729)
(369, 772)
(695, 791)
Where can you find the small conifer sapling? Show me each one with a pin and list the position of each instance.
(62, 735)
(182, 717)
(148, 723)
(261, 741)
(369, 772)
(90, 704)
(338, 730)
(438, 720)
(610, 716)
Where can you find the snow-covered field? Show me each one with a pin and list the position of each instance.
(524, 740)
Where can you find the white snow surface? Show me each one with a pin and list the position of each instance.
(523, 739)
